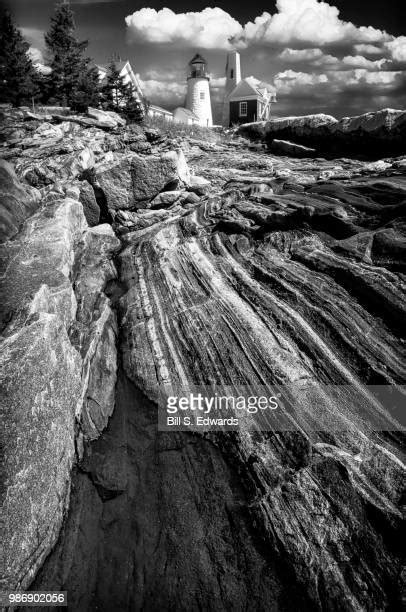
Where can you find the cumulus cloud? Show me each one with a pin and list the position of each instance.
(163, 92)
(397, 48)
(35, 55)
(300, 55)
(312, 56)
(359, 61)
(290, 81)
(208, 29)
(307, 21)
(368, 49)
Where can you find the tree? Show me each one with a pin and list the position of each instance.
(18, 77)
(72, 82)
(119, 96)
(115, 91)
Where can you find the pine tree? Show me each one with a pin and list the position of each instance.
(115, 92)
(18, 77)
(118, 96)
(72, 81)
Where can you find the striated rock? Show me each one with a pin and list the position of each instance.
(95, 329)
(283, 147)
(134, 180)
(89, 203)
(289, 274)
(18, 201)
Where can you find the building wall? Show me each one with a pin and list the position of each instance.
(252, 112)
(181, 116)
(200, 106)
(233, 77)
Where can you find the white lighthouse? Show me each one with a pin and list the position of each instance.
(233, 77)
(198, 91)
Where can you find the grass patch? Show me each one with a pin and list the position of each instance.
(181, 130)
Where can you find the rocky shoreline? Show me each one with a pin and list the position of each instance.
(371, 136)
(131, 259)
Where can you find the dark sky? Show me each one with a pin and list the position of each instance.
(326, 88)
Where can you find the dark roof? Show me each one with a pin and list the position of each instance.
(161, 109)
(198, 59)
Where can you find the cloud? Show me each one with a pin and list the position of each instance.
(306, 21)
(291, 82)
(209, 29)
(35, 55)
(169, 94)
(312, 56)
(359, 61)
(34, 36)
(368, 49)
(397, 48)
(300, 55)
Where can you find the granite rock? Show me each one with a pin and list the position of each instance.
(18, 201)
(286, 273)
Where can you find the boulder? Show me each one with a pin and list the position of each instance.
(89, 203)
(199, 185)
(373, 135)
(106, 118)
(166, 198)
(18, 201)
(255, 131)
(58, 370)
(30, 116)
(40, 371)
(133, 181)
(284, 147)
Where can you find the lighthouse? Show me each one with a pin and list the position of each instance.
(198, 91)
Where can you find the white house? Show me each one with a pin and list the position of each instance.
(184, 115)
(158, 111)
(128, 75)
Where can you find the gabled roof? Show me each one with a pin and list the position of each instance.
(160, 109)
(250, 86)
(119, 65)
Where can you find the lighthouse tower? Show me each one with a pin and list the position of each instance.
(233, 77)
(198, 91)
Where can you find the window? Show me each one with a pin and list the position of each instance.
(243, 109)
(202, 95)
(231, 73)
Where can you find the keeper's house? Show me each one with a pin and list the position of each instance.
(245, 100)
